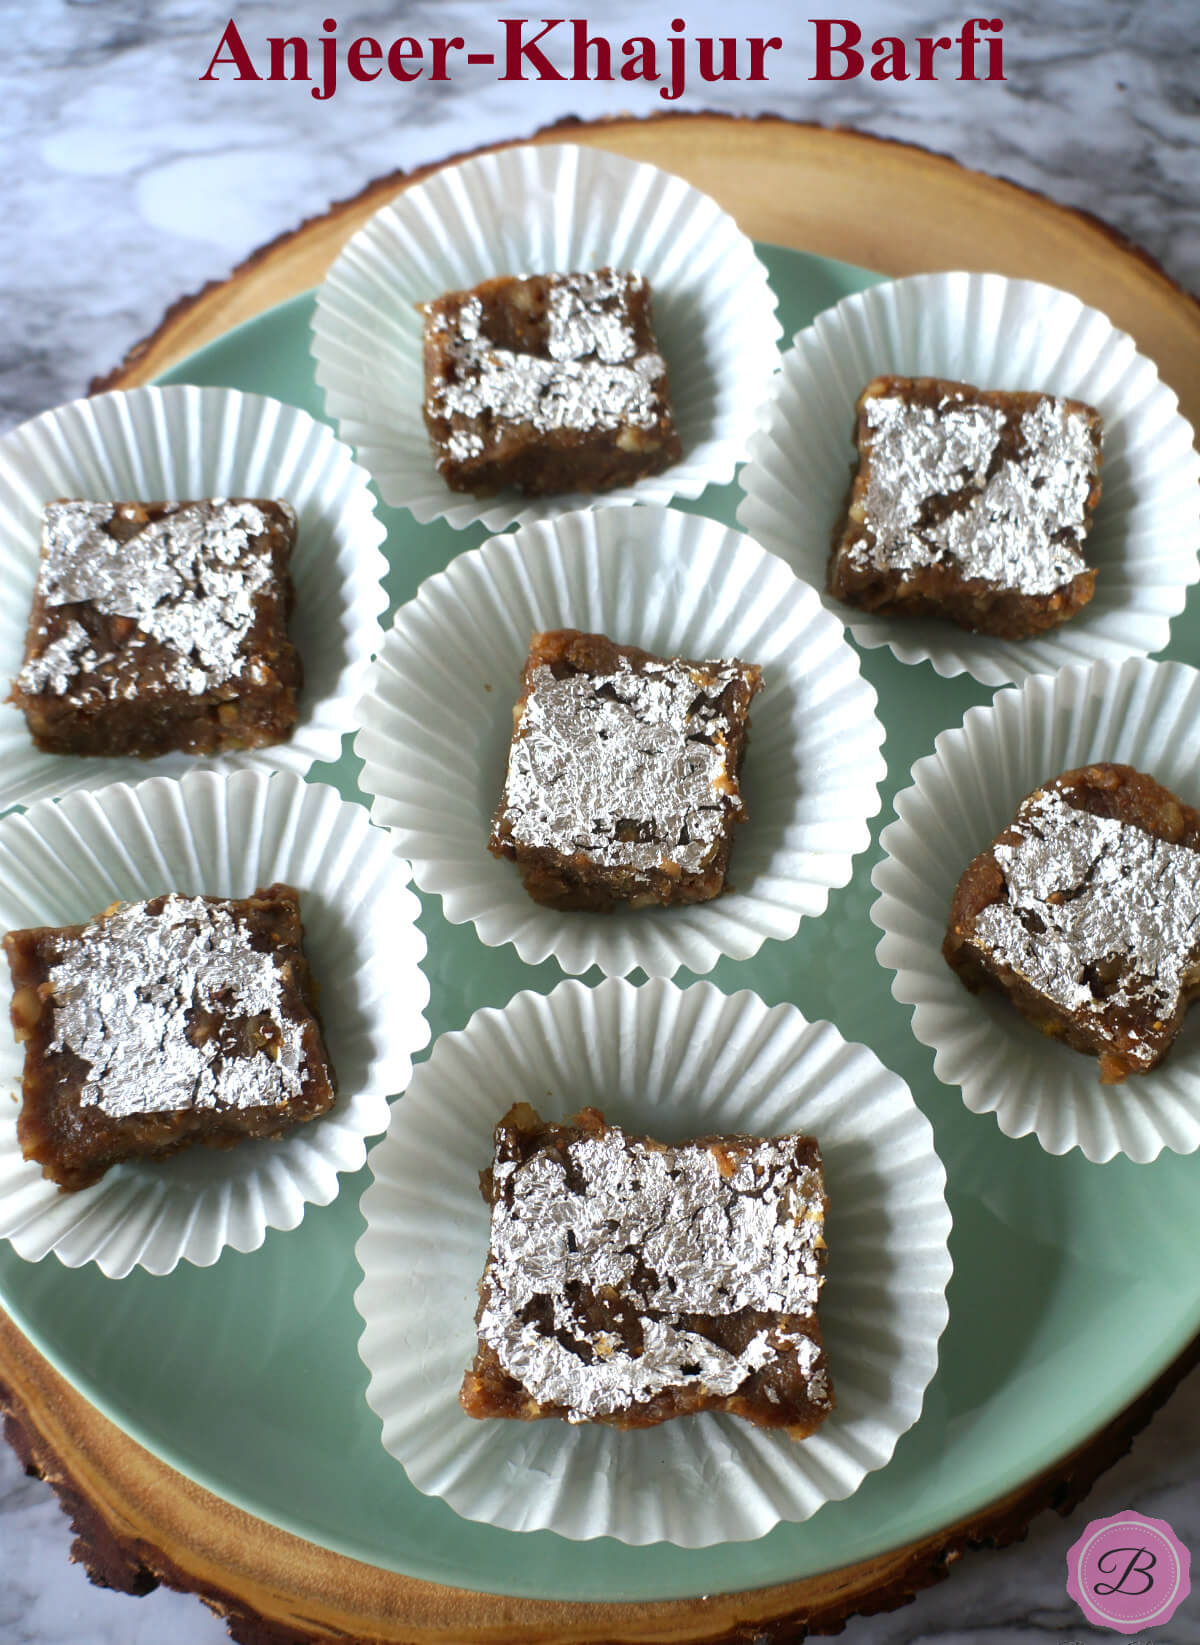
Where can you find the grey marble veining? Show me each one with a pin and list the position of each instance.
(133, 181)
(130, 182)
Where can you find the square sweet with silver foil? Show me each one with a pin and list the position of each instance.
(630, 1281)
(164, 1023)
(1085, 912)
(969, 504)
(622, 783)
(548, 383)
(161, 627)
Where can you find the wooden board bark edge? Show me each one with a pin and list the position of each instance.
(139, 1524)
(848, 195)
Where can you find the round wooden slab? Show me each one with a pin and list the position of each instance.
(845, 195)
(138, 1523)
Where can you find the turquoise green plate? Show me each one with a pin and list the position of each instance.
(1074, 1284)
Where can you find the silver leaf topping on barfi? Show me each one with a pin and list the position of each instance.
(666, 1233)
(1099, 913)
(588, 315)
(592, 379)
(1017, 523)
(630, 767)
(189, 580)
(151, 1001)
(57, 668)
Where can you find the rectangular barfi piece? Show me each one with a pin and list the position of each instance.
(547, 382)
(622, 782)
(163, 1023)
(969, 504)
(1085, 911)
(160, 627)
(629, 1281)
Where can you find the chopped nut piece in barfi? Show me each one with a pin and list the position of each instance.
(547, 382)
(1085, 911)
(969, 504)
(160, 627)
(630, 1281)
(622, 784)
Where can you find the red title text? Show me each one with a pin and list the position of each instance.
(570, 49)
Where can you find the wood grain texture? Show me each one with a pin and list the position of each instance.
(138, 1523)
(845, 195)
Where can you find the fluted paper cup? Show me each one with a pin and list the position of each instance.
(672, 1063)
(1137, 713)
(545, 209)
(997, 334)
(437, 724)
(167, 444)
(220, 835)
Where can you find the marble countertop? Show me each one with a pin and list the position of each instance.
(134, 182)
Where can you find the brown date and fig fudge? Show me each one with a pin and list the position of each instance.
(630, 1281)
(161, 627)
(969, 504)
(1085, 911)
(547, 382)
(163, 1023)
(622, 783)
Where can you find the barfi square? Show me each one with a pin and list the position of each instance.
(622, 783)
(162, 1023)
(629, 1281)
(548, 383)
(969, 504)
(1085, 911)
(161, 627)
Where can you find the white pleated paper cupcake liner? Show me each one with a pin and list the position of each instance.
(997, 334)
(436, 725)
(672, 1063)
(537, 210)
(165, 444)
(1137, 713)
(220, 835)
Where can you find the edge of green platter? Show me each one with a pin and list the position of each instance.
(1073, 1284)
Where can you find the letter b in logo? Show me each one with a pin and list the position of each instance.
(1128, 1572)
(1136, 1576)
